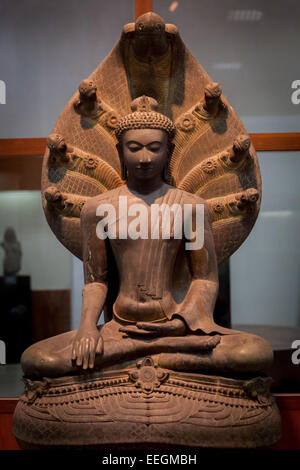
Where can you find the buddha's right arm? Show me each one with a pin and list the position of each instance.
(93, 298)
(88, 341)
(95, 268)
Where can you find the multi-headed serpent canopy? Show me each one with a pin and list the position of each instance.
(213, 155)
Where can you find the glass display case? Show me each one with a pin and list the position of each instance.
(252, 52)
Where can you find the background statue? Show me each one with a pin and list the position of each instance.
(12, 253)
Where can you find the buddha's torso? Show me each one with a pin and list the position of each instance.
(146, 265)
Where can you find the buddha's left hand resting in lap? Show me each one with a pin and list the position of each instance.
(146, 318)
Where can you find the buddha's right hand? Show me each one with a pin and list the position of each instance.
(87, 343)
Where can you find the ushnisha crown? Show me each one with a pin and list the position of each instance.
(145, 116)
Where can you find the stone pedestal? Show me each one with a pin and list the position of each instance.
(146, 406)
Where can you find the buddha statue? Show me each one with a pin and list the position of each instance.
(152, 183)
(147, 320)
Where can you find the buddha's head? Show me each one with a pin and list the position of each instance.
(145, 141)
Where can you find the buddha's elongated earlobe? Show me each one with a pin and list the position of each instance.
(123, 166)
(123, 171)
(166, 172)
(166, 175)
(171, 149)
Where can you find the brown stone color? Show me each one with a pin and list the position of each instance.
(146, 408)
(181, 144)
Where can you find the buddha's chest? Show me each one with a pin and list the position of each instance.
(133, 219)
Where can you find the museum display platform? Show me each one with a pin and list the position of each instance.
(283, 372)
(288, 404)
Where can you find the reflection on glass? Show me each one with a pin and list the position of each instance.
(251, 52)
(26, 287)
(265, 277)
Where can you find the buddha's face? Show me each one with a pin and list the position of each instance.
(145, 153)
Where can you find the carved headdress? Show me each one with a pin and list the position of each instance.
(145, 116)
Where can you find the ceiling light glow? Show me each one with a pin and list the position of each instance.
(245, 15)
(173, 6)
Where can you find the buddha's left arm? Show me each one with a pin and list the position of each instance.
(195, 313)
(198, 306)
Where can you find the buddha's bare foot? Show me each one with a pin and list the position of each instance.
(175, 327)
(128, 348)
(236, 354)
